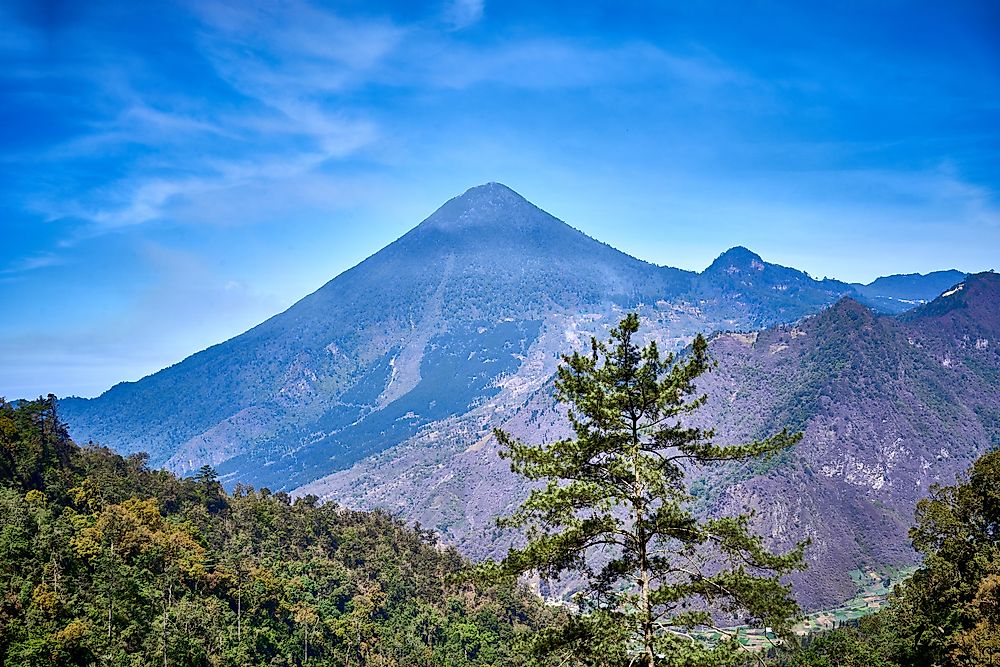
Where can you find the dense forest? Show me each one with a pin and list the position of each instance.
(105, 561)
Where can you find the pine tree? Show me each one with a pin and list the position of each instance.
(614, 511)
(210, 491)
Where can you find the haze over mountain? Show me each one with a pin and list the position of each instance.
(372, 356)
(898, 293)
(402, 365)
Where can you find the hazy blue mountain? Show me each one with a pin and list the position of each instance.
(457, 297)
(381, 388)
(427, 328)
(744, 287)
(423, 330)
(901, 292)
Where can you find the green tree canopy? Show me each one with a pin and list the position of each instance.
(948, 612)
(106, 562)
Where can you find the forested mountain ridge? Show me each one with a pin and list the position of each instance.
(888, 405)
(470, 307)
(104, 561)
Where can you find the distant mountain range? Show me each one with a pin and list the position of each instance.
(381, 387)
(895, 294)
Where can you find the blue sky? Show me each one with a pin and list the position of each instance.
(174, 173)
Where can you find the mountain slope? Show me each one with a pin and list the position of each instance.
(476, 300)
(364, 340)
(888, 406)
(469, 308)
(365, 360)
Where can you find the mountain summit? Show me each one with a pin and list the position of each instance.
(468, 309)
(382, 387)
(432, 324)
(489, 205)
(737, 259)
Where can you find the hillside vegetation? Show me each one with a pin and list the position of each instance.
(948, 612)
(105, 561)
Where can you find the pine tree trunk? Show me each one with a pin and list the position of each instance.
(111, 588)
(239, 612)
(647, 616)
(638, 503)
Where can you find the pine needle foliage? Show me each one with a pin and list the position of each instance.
(612, 509)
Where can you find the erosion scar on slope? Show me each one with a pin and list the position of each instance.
(406, 365)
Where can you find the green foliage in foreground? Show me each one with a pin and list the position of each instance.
(948, 612)
(106, 562)
(614, 510)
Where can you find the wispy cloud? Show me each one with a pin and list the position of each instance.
(939, 196)
(31, 263)
(294, 76)
(463, 13)
(556, 63)
(258, 44)
(284, 62)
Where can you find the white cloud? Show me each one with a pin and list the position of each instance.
(292, 47)
(554, 64)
